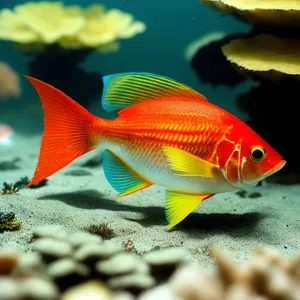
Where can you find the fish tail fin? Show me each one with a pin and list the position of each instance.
(69, 131)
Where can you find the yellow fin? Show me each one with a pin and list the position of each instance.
(180, 205)
(186, 164)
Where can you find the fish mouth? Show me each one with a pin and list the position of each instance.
(278, 167)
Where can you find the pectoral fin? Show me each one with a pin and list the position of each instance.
(180, 205)
(186, 164)
(122, 178)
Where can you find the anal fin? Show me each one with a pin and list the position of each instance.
(121, 177)
(180, 205)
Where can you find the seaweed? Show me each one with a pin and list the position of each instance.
(25, 180)
(9, 189)
(8, 221)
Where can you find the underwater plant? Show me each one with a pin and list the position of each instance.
(269, 55)
(25, 180)
(64, 35)
(8, 221)
(9, 189)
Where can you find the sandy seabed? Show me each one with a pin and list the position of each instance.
(234, 223)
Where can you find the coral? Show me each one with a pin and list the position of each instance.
(9, 189)
(34, 26)
(129, 246)
(262, 56)
(267, 54)
(271, 12)
(81, 265)
(8, 221)
(64, 264)
(103, 230)
(9, 82)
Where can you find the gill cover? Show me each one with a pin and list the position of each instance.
(230, 161)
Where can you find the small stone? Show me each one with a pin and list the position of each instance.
(29, 262)
(135, 282)
(121, 264)
(66, 272)
(52, 248)
(255, 195)
(160, 292)
(8, 289)
(83, 238)
(164, 262)
(123, 296)
(96, 252)
(92, 290)
(51, 231)
(78, 172)
(8, 260)
(66, 266)
(167, 256)
(36, 288)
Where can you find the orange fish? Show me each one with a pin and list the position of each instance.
(166, 133)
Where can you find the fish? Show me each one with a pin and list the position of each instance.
(165, 134)
(5, 134)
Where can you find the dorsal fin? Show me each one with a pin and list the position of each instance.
(124, 89)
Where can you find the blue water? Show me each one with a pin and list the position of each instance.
(171, 26)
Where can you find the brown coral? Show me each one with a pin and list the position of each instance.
(273, 12)
(9, 82)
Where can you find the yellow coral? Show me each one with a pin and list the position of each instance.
(13, 29)
(280, 12)
(49, 20)
(266, 55)
(71, 27)
(109, 27)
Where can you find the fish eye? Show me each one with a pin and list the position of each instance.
(257, 154)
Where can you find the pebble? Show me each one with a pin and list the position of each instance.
(121, 264)
(53, 248)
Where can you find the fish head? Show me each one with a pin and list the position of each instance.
(258, 161)
(247, 160)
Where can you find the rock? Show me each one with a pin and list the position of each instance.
(91, 290)
(8, 289)
(35, 288)
(51, 231)
(167, 256)
(163, 262)
(162, 292)
(94, 252)
(121, 264)
(78, 172)
(8, 260)
(67, 272)
(83, 238)
(28, 263)
(51, 248)
(134, 282)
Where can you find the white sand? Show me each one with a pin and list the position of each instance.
(229, 221)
